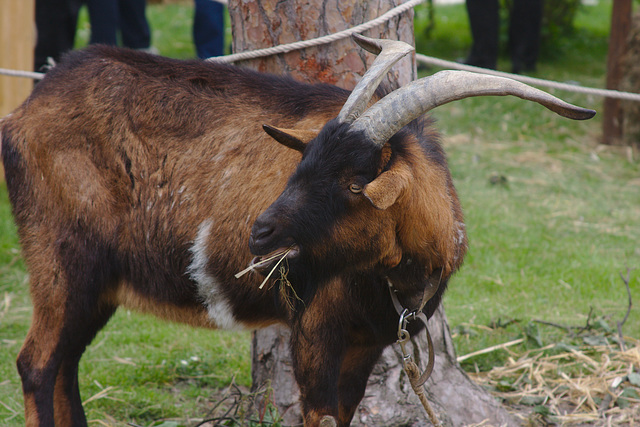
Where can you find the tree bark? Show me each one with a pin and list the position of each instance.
(631, 83)
(613, 116)
(456, 399)
(389, 399)
(258, 24)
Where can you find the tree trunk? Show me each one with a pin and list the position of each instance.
(631, 83)
(613, 115)
(389, 399)
(258, 24)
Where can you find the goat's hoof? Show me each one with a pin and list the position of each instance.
(328, 421)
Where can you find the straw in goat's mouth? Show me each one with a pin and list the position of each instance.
(280, 254)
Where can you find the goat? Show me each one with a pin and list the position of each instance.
(146, 182)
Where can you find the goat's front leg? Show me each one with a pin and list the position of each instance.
(318, 346)
(354, 373)
(317, 355)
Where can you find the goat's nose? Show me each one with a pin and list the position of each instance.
(260, 234)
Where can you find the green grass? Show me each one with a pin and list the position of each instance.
(158, 370)
(546, 242)
(549, 243)
(568, 57)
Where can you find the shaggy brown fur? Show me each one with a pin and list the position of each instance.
(135, 181)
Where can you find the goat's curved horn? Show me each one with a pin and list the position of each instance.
(389, 52)
(394, 111)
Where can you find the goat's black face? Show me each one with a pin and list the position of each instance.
(323, 213)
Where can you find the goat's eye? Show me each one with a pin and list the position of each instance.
(355, 188)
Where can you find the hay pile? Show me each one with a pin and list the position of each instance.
(565, 385)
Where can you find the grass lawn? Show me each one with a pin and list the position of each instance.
(552, 218)
(551, 213)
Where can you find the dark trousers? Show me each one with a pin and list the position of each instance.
(524, 33)
(208, 28)
(107, 17)
(56, 22)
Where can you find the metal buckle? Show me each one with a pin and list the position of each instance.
(403, 333)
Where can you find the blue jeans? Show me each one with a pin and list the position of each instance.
(208, 28)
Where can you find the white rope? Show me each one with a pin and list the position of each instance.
(284, 48)
(16, 73)
(608, 93)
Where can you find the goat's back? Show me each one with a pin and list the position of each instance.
(136, 154)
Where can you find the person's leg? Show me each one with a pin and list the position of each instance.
(103, 17)
(524, 34)
(208, 28)
(133, 24)
(56, 29)
(484, 21)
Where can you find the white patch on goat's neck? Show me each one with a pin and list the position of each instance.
(460, 236)
(460, 228)
(209, 288)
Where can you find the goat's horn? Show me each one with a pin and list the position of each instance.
(389, 52)
(394, 111)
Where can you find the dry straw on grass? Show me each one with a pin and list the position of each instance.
(579, 386)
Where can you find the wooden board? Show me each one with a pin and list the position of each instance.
(17, 41)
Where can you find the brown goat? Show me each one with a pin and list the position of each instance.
(147, 182)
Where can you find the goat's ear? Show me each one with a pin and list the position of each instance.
(292, 138)
(387, 187)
